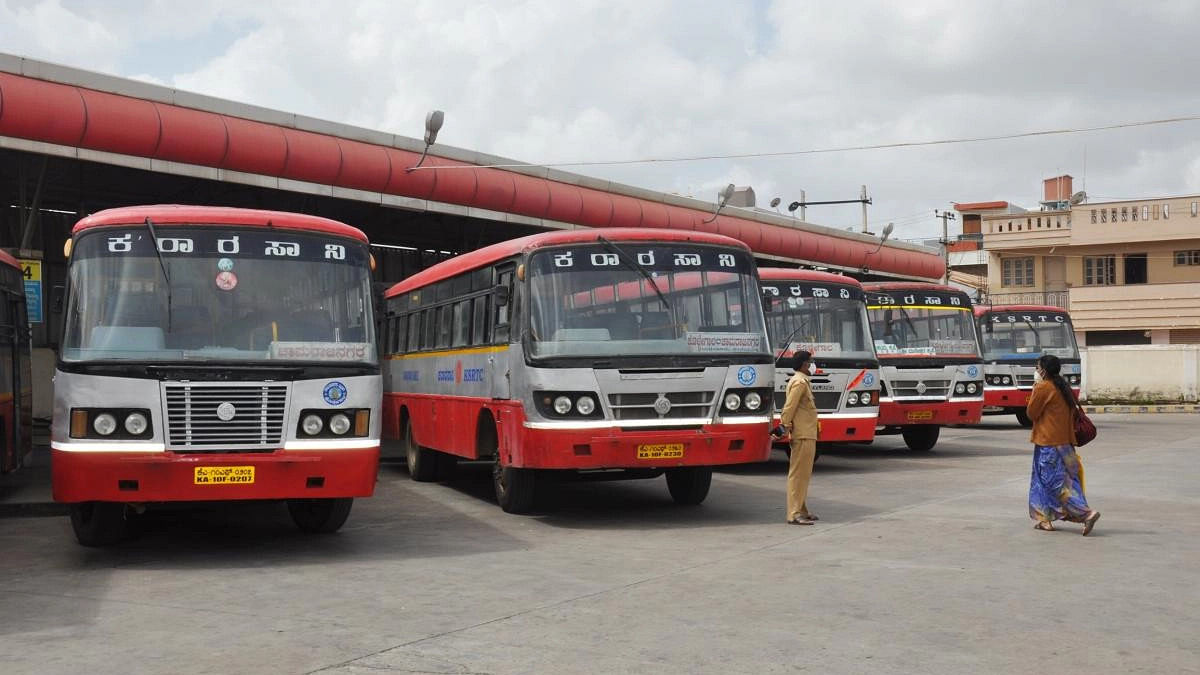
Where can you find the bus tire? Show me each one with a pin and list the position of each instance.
(447, 466)
(422, 462)
(1023, 418)
(514, 487)
(921, 438)
(98, 523)
(689, 485)
(320, 516)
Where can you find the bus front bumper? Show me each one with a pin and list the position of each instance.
(616, 448)
(941, 413)
(1005, 397)
(840, 428)
(130, 476)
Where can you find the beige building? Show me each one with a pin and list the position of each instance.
(1128, 271)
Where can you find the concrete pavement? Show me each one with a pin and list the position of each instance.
(921, 563)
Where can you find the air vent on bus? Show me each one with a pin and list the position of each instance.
(640, 406)
(199, 421)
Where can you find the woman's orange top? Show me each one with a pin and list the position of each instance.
(1053, 420)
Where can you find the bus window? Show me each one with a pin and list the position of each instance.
(480, 332)
(414, 332)
(462, 323)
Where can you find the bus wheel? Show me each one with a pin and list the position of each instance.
(320, 516)
(689, 484)
(1023, 418)
(514, 487)
(422, 462)
(98, 523)
(921, 438)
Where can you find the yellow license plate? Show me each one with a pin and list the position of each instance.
(224, 475)
(919, 415)
(660, 451)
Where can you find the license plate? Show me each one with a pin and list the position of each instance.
(660, 451)
(224, 475)
(919, 415)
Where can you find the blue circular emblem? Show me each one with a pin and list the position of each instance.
(972, 371)
(869, 379)
(335, 393)
(747, 375)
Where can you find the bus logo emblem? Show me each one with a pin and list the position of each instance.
(921, 388)
(335, 393)
(662, 406)
(972, 371)
(747, 375)
(226, 411)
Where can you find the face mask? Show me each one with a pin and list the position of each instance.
(1037, 376)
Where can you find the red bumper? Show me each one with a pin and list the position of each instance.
(168, 477)
(840, 429)
(939, 413)
(1005, 397)
(611, 448)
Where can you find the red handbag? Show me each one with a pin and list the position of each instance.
(1085, 431)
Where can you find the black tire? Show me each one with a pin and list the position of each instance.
(1023, 418)
(921, 438)
(98, 523)
(422, 462)
(514, 487)
(320, 516)
(689, 484)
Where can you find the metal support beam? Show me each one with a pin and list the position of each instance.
(35, 206)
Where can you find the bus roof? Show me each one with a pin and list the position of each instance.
(505, 249)
(9, 260)
(786, 274)
(909, 286)
(178, 214)
(980, 310)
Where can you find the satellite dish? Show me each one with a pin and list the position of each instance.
(1078, 198)
(775, 202)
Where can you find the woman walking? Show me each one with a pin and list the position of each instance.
(1056, 487)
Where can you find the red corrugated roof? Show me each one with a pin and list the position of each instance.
(497, 252)
(178, 214)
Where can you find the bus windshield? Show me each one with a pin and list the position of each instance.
(1026, 336)
(225, 294)
(644, 299)
(828, 321)
(923, 331)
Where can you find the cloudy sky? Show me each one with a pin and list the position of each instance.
(552, 81)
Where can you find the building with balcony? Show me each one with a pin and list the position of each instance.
(1128, 271)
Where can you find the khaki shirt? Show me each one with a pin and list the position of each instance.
(799, 415)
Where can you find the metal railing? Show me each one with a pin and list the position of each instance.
(1050, 298)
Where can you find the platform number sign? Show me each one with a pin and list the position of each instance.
(31, 274)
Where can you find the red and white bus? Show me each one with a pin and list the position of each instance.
(16, 389)
(929, 359)
(825, 314)
(615, 352)
(215, 354)
(1013, 338)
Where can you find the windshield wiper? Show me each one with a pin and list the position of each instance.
(786, 341)
(163, 264)
(632, 264)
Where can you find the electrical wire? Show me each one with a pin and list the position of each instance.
(817, 151)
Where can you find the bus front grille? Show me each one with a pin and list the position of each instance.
(826, 401)
(933, 388)
(195, 411)
(1025, 381)
(640, 406)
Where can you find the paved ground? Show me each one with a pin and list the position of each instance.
(921, 563)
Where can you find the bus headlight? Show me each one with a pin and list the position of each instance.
(732, 401)
(959, 388)
(586, 405)
(972, 388)
(1007, 380)
(104, 424)
(312, 424)
(339, 424)
(136, 423)
(753, 401)
(562, 405)
(852, 399)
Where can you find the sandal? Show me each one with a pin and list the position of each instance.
(810, 516)
(1044, 526)
(799, 522)
(1090, 522)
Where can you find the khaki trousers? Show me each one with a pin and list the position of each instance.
(804, 451)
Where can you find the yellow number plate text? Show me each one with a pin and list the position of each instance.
(918, 415)
(224, 475)
(660, 451)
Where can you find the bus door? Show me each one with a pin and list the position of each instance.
(503, 304)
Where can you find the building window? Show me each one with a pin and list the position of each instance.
(1114, 215)
(1133, 214)
(1124, 213)
(1093, 215)
(1146, 212)
(1135, 268)
(1100, 270)
(1195, 208)
(1187, 257)
(1017, 272)
(1166, 211)
(1157, 210)
(1104, 215)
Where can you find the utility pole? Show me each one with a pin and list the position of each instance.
(945, 216)
(803, 207)
(863, 196)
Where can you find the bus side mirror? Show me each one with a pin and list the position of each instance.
(57, 293)
(502, 295)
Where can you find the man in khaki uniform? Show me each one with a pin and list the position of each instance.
(799, 417)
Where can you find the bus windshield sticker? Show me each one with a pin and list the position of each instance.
(952, 346)
(320, 351)
(724, 342)
(225, 265)
(817, 349)
(799, 290)
(218, 244)
(226, 281)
